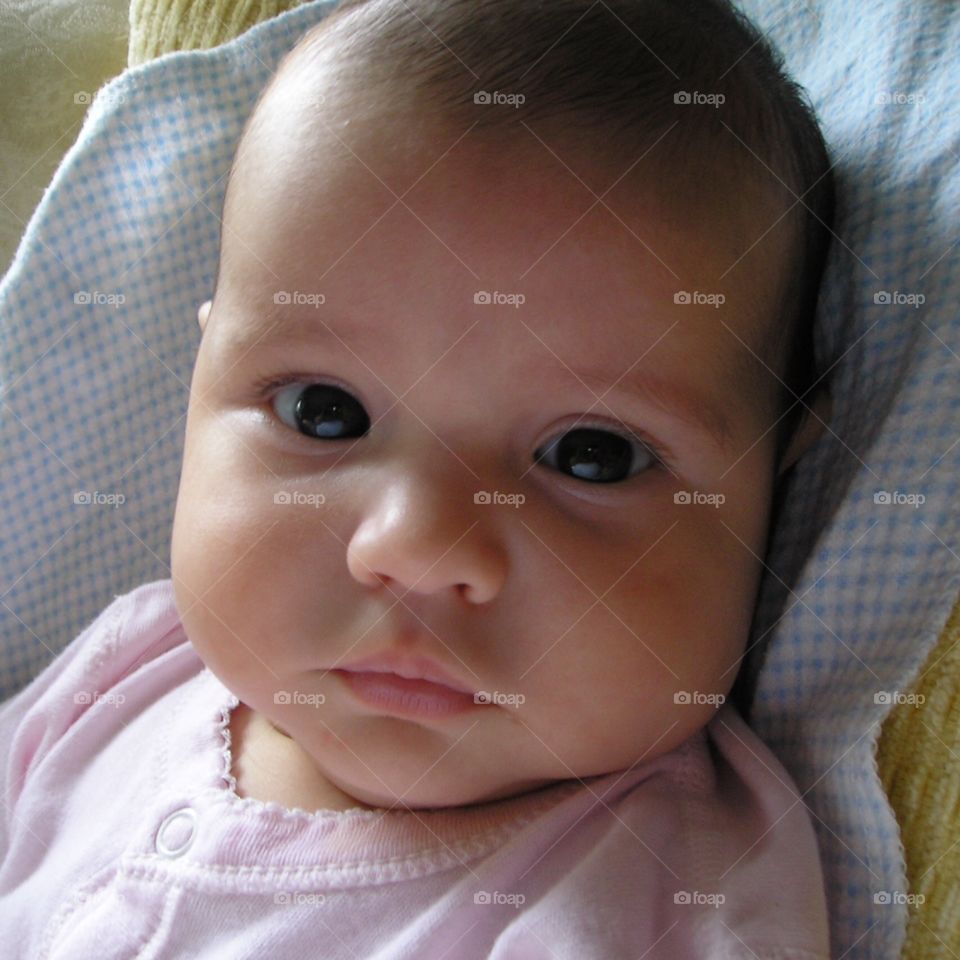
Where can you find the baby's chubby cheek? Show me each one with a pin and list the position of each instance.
(256, 580)
(650, 664)
(220, 561)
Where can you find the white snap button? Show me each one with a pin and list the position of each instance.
(176, 833)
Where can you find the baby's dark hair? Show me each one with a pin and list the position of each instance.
(613, 74)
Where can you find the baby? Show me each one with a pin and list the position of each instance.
(508, 355)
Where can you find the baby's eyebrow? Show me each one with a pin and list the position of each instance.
(678, 400)
(297, 324)
(642, 386)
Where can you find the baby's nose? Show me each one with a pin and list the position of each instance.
(413, 538)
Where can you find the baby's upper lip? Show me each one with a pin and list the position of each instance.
(409, 666)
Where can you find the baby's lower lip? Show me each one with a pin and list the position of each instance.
(410, 698)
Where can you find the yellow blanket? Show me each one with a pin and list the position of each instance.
(918, 757)
(161, 26)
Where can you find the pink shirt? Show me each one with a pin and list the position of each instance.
(121, 836)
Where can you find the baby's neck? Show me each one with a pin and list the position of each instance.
(271, 767)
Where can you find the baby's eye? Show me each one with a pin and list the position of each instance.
(590, 453)
(322, 411)
(327, 412)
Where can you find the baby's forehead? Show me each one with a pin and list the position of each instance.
(290, 238)
(310, 162)
(396, 318)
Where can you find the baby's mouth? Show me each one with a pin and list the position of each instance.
(406, 696)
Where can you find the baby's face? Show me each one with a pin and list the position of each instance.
(588, 609)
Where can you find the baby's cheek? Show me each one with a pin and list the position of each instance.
(676, 623)
(216, 573)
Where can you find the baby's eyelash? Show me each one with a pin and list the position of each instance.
(267, 385)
